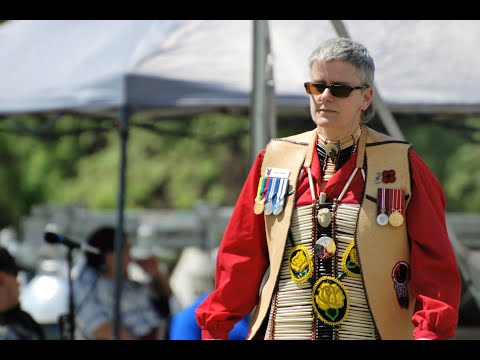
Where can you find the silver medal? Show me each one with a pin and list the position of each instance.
(271, 192)
(277, 208)
(268, 210)
(280, 197)
(382, 219)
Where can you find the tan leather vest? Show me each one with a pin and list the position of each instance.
(379, 248)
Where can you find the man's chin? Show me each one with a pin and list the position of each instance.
(323, 122)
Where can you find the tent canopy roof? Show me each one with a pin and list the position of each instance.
(194, 65)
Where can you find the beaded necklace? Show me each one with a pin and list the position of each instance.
(334, 154)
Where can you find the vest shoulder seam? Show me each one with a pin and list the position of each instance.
(388, 142)
(290, 141)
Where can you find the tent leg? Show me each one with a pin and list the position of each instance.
(119, 244)
(262, 100)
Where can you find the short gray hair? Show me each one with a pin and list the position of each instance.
(353, 52)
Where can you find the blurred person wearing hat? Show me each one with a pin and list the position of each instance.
(144, 307)
(15, 323)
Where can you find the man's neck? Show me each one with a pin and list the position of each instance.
(336, 134)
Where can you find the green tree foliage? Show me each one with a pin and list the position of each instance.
(463, 187)
(73, 160)
(35, 162)
(173, 163)
(452, 150)
(174, 166)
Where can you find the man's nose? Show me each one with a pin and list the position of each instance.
(326, 94)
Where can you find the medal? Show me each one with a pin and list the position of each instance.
(268, 209)
(259, 206)
(382, 218)
(396, 217)
(260, 200)
(278, 206)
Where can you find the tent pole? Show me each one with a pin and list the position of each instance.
(271, 112)
(119, 241)
(385, 115)
(262, 124)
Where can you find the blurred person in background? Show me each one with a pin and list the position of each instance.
(15, 323)
(193, 278)
(145, 310)
(184, 326)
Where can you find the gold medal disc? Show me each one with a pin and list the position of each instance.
(395, 218)
(259, 206)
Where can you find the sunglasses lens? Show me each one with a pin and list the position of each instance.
(336, 90)
(318, 88)
(315, 88)
(340, 90)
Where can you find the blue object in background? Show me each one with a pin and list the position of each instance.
(183, 324)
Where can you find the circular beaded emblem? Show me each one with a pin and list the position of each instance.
(330, 300)
(350, 262)
(325, 247)
(301, 265)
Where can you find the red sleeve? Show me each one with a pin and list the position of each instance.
(435, 276)
(242, 260)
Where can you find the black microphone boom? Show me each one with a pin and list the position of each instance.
(53, 238)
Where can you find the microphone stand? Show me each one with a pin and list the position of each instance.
(67, 321)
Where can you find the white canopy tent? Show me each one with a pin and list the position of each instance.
(93, 65)
(188, 66)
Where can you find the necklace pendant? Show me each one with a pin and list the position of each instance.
(325, 247)
(324, 217)
(332, 150)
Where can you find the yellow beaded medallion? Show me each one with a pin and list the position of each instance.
(330, 300)
(350, 262)
(301, 265)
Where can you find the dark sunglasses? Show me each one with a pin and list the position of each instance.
(337, 90)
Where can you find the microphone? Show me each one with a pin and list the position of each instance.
(53, 238)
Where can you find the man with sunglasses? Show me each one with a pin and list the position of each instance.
(339, 232)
